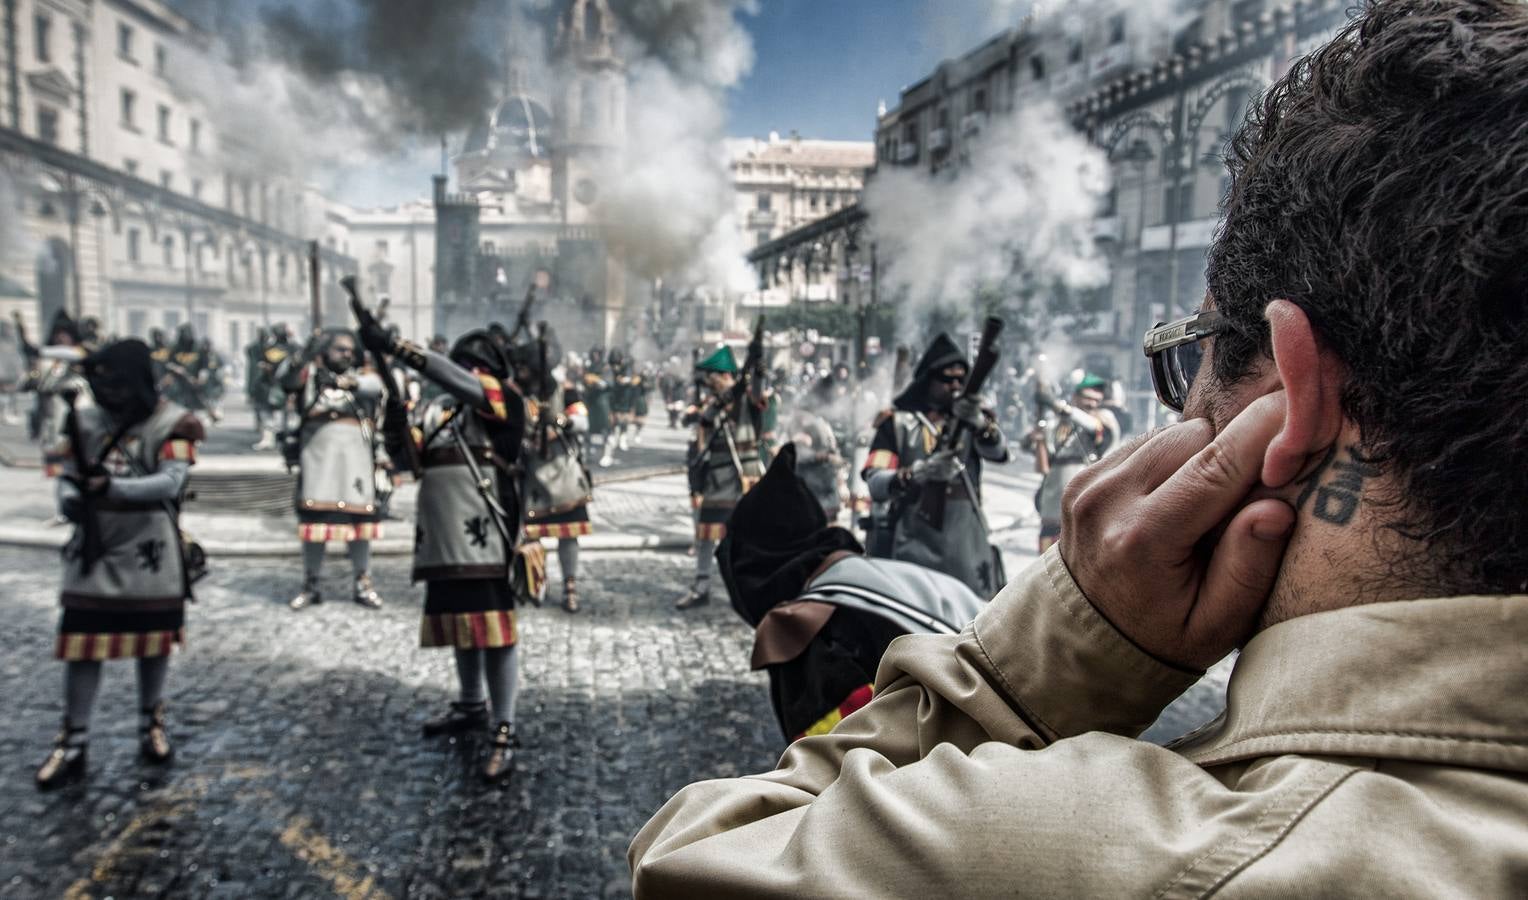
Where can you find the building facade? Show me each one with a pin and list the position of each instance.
(783, 184)
(130, 207)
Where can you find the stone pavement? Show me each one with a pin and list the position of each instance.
(301, 771)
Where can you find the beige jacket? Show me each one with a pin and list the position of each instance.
(1375, 751)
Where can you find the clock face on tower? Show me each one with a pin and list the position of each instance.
(585, 191)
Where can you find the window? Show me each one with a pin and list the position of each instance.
(910, 133)
(1037, 67)
(1179, 208)
(1074, 52)
(814, 200)
(1117, 29)
(134, 249)
(979, 102)
(761, 238)
(47, 125)
(381, 248)
(161, 60)
(766, 202)
(196, 188)
(169, 252)
(164, 123)
(944, 117)
(137, 322)
(1236, 108)
(1110, 205)
(42, 38)
(125, 41)
(130, 166)
(196, 134)
(129, 109)
(166, 178)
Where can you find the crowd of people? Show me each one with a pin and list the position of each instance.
(1337, 496)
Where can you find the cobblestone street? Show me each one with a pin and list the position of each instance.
(301, 771)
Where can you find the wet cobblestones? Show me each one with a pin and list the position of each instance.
(301, 771)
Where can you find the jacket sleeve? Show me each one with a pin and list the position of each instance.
(997, 761)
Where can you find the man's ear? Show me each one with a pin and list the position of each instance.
(1312, 378)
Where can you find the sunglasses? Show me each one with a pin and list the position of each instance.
(950, 379)
(1176, 352)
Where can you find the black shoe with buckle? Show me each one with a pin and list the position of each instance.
(308, 596)
(365, 594)
(501, 754)
(153, 741)
(66, 761)
(570, 595)
(696, 597)
(459, 719)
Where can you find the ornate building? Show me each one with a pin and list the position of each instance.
(529, 182)
(123, 200)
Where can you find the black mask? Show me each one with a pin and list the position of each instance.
(121, 377)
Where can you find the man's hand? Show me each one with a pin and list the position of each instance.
(375, 338)
(969, 411)
(941, 468)
(1141, 535)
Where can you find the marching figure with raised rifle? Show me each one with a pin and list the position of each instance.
(1068, 437)
(187, 371)
(343, 473)
(464, 447)
(727, 463)
(128, 569)
(926, 460)
(557, 488)
(53, 372)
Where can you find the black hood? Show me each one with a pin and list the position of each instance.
(941, 354)
(777, 537)
(121, 377)
(64, 325)
(478, 350)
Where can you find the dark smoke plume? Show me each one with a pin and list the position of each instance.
(440, 61)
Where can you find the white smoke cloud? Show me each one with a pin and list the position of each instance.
(1021, 208)
(671, 202)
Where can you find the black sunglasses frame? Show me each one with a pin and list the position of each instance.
(1165, 338)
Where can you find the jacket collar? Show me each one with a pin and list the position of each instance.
(1440, 680)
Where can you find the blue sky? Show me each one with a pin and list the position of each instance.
(822, 65)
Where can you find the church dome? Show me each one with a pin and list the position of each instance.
(518, 126)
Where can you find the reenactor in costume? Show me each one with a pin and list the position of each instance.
(596, 392)
(726, 464)
(905, 460)
(647, 378)
(672, 387)
(54, 372)
(469, 442)
(625, 384)
(343, 478)
(266, 394)
(819, 464)
(127, 575)
(823, 613)
(1083, 433)
(214, 379)
(556, 487)
(186, 370)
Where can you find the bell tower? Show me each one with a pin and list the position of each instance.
(590, 103)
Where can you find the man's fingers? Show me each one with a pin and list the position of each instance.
(1240, 575)
(1214, 481)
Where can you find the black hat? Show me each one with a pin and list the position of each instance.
(121, 377)
(940, 355)
(478, 350)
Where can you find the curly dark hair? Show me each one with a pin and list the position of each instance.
(1382, 185)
